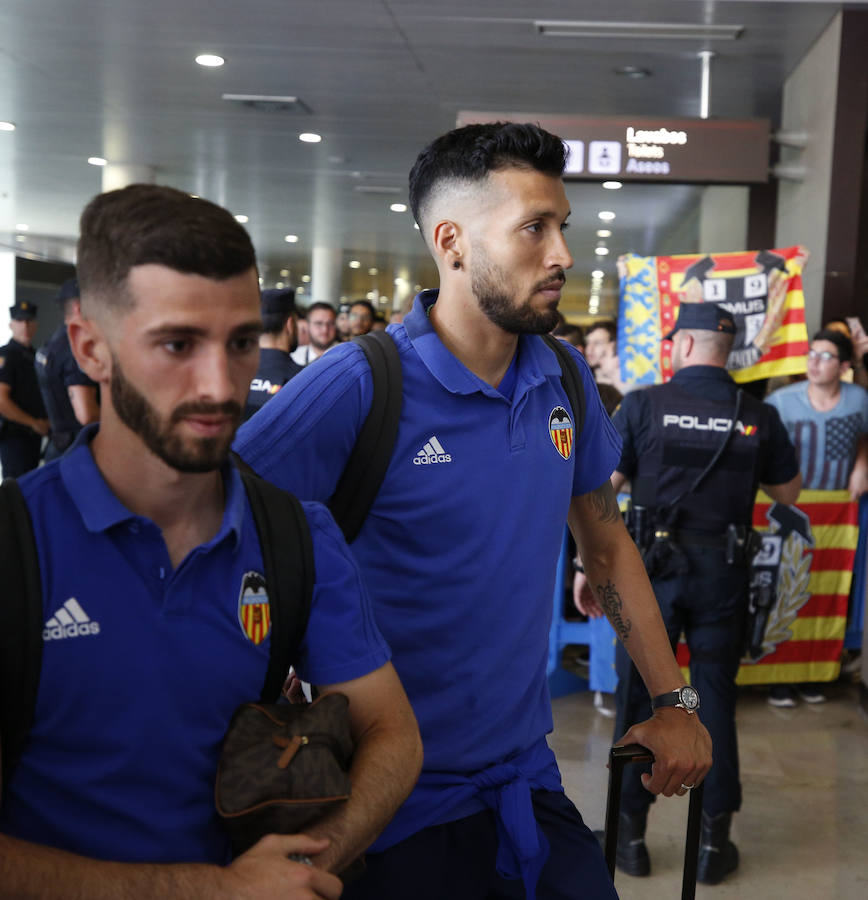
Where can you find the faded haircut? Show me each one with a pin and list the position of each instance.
(150, 224)
(471, 153)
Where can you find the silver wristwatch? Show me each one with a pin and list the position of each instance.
(686, 698)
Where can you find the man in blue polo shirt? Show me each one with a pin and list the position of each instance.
(146, 542)
(460, 546)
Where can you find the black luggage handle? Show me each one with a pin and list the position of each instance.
(634, 753)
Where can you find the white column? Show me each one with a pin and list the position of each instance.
(325, 275)
(7, 292)
(119, 175)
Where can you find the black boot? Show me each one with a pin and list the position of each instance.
(718, 856)
(632, 854)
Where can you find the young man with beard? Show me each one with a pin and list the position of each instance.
(321, 328)
(145, 538)
(460, 546)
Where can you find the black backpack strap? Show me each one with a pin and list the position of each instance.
(20, 625)
(366, 468)
(571, 380)
(287, 554)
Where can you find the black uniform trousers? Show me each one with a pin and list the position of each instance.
(19, 452)
(709, 604)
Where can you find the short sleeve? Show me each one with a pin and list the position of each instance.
(627, 420)
(342, 641)
(599, 445)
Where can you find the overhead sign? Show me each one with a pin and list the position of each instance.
(639, 148)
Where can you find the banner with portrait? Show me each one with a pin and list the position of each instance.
(762, 289)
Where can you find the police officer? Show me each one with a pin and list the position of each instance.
(695, 450)
(278, 340)
(23, 414)
(70, 397)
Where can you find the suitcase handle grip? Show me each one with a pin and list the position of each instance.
(620, 756)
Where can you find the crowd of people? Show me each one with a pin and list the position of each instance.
(169, 355)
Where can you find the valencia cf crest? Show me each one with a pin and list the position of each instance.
(561, 431)
(253, 611)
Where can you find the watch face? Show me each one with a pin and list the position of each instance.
(690, 697)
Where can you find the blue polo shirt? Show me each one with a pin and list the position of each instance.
(460, 547)
(143, 666)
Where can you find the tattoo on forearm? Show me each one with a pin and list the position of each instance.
(613, 605)
(605, 503)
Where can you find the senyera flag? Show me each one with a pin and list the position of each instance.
(761, 288)
(804, 570)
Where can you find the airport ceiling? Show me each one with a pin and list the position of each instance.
(377, 79)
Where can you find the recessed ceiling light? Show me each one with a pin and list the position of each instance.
(597, 273)
(601, 251)
(604, 232)
(606, 215)
(308, 137)
(373, 271)
(612, 185)
(20, 238)
(399, 281)
(632, 71)
(279, 285)
(370, 296)
(97, 161)
(210, 60)
(291, 239)
(242, 219)
(22, 227)
(305, 279)
(355, 264)
(7, 126)
(398, 207)
(299, 289)
(284, 272)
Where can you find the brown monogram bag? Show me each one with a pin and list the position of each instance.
(283, 766)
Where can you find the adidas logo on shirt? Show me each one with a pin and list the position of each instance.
(432, 452)
(68, 622)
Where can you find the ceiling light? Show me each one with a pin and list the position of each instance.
(355, 264)
(242, 219)
(305, 279)
(398, 207)
(373, 271)
(660, 31)
(370, 296)
(279, 285)
(601, 251)
(210, 60)
(284, 272)
(291, 239)
(632, 71)
(97, 161)
(299, 290)
(308, 137)
(612, 185)
(22, 227)
(604, 232)
(606, 215)
(7, 126)
(20, 238)
(597, 273)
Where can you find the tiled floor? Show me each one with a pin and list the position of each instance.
(803, 828)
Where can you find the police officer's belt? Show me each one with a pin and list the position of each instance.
(689, 538)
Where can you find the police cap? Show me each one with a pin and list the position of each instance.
(68, 291)
(278, 301)
(23, 311)
(702, 317)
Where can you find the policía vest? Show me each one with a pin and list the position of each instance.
(685, 433)
(55, 396)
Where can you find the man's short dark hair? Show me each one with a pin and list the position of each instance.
(321, 304)
(471, 153)
(605, 324)
(151, 224)
(368, 306)
(841, 341)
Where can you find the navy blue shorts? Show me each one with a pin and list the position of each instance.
(456, 861)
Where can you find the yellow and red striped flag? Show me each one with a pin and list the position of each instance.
(762, 289)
